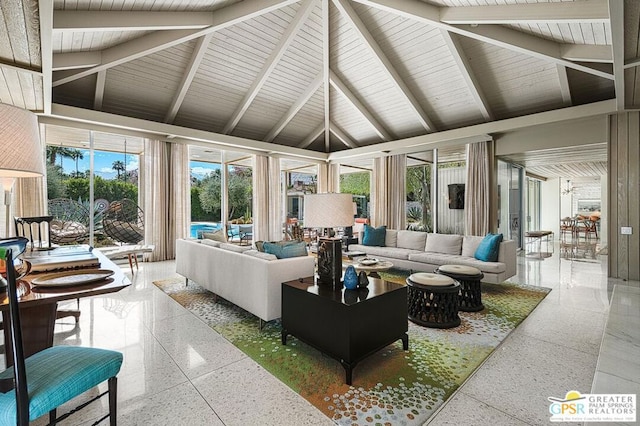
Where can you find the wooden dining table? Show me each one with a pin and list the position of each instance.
(38, 305)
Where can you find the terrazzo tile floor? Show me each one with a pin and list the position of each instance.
(178, 371)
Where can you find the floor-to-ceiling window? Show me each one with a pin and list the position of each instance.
(510, 212)
(221, 190)
(419, 194)
(357, 183)
(90, 174)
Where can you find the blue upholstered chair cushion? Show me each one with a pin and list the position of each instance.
(285, 251)
(58, 374)
(489, 248)
(374, 236)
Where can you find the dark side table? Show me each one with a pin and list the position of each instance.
(347, 325)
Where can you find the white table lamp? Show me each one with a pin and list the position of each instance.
(20, 151)
(329, 211)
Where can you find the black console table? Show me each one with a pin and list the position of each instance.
(347, 325)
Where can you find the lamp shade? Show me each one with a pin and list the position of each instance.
(20, 148)
(328, 210)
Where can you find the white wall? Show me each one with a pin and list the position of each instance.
(550, 206)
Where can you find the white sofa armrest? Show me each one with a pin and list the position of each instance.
(507, 255)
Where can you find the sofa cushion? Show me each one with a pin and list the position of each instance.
(444, 243)
(452, 259)
(285, 251)
(260, 255)
(470, 244)
(211, 243)
(412, 240)
(218, 235)
(489, 248)
(434, 258)
(233, 247)
(374, 236)
(390, 252)
(391, 238)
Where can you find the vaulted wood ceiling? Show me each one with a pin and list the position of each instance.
(324, 75)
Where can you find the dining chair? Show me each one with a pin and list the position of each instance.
(44, 381)
(586, 227)
(567, 227)
(25, 228)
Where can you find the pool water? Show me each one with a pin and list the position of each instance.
(203, 227)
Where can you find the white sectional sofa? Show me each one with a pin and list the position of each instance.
(243, 276)
(419, 251)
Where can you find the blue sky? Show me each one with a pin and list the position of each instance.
(103, 162)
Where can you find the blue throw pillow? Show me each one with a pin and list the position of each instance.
(285, 251)
(374, 236)
(489, 248)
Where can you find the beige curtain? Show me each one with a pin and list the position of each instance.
(181, 194)
(388, 196)
(276, 217)
(397, 192)
(323, 178)
(328, 178)
(29, 197)
(260, 198)
(166, 196)
(477, 192)
(379, 200)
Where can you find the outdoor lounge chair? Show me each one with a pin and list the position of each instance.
(123, 222)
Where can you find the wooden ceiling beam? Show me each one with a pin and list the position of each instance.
(586, 53)
(130, 20)
(493, 34)
(342, 88)
(342, 136)
(160, 40)
(187, 78)
(293, 110)
(589, 11)
(349, 13)
(76, 60)
(564, 85)
(616, 11)
(326, 87)
(467, 73)
(99, 92)
(45, 9)
(271, 63)
(313, 135)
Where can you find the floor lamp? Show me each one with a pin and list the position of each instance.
(329, 211)
(20, 151)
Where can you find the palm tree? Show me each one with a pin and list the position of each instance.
(54, 151)
(77, 155)
(119, 167)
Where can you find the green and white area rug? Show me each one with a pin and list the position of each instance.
(391, 387)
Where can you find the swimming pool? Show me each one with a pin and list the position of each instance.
(203, 227)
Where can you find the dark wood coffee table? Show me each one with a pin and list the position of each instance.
(347, 325)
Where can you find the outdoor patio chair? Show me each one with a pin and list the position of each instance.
(70, 224)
